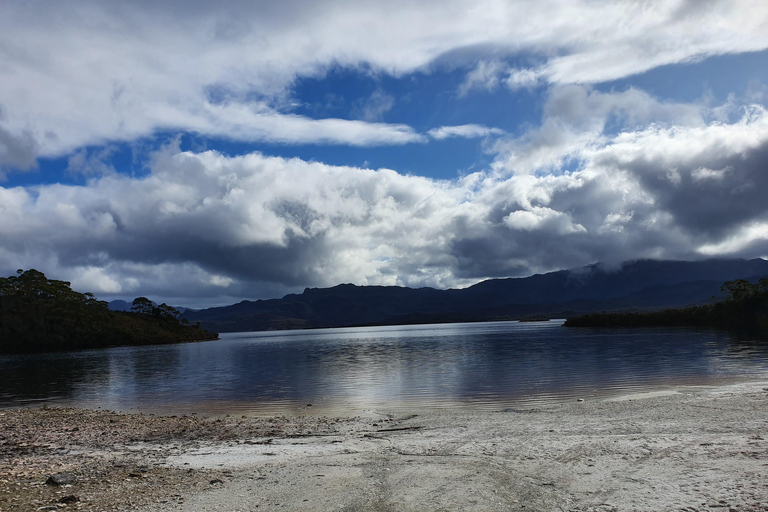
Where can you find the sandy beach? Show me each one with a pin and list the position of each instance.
(681, 449)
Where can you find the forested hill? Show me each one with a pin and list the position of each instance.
(744, 311)
(644, 284)
(38, 314)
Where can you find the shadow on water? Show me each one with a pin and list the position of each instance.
(487, 365)
(50, 377)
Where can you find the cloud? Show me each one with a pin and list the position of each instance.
(466, 130)
(374, 107)
(485, 76)
(92, 163)
(256, 123)
(605, 176)
(144, 67)
(212, 227)
(17, 152)
(488, 75)
(654, 35)
(710, 179)
(522, 78)
(576, 117)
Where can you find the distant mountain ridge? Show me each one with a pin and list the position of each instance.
(642, 284)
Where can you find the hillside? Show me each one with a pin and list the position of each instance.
(41, 315)
(641, 284)
(744, 311)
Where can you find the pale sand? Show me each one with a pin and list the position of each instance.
(684, 449)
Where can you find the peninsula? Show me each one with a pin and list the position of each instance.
(38, 314)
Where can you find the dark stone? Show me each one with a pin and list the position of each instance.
(61, 479)
(69, 499)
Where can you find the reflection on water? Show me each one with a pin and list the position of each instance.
(485, 365)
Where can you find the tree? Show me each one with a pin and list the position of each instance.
(38, 314)
(142, 305)
(164, 310)
(741, 289)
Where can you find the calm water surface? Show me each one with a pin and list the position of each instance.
(482, 365)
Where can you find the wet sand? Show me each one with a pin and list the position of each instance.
(679, 449)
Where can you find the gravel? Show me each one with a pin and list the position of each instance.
(691, 449)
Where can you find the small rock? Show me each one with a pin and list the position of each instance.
(61, 479)
(69, 499)
(216, 481)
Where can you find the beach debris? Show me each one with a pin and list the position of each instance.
(398, 429)
(61, 479)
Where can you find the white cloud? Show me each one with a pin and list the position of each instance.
(485, 76)
(702, 173)
(522, 78)
(83, 73)
(746, 237)
(575, 118)
(375, 106)
(94, 280)
(677, 180)
(488, 75)
(212, 227)
(465, 130)
(249, 122)
(633, 37)
(538, 217)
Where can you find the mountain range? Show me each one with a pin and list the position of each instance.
(636, 285)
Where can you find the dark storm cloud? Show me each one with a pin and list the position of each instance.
(710, 194)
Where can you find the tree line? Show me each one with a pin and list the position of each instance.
(38, 314)
(743, 311)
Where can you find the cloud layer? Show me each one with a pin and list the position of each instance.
(87, 72)
(208, 225)
(602, 175)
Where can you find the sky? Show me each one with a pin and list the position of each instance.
(200, 153)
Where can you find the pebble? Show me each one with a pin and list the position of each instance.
(61, 479)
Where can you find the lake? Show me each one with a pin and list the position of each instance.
(481, 365)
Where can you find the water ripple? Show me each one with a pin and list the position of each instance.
(482, 365)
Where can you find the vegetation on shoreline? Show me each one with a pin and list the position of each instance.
(744, 311)
(38, 314)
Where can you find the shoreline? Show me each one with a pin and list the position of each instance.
(688, 448)
(319, 407)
